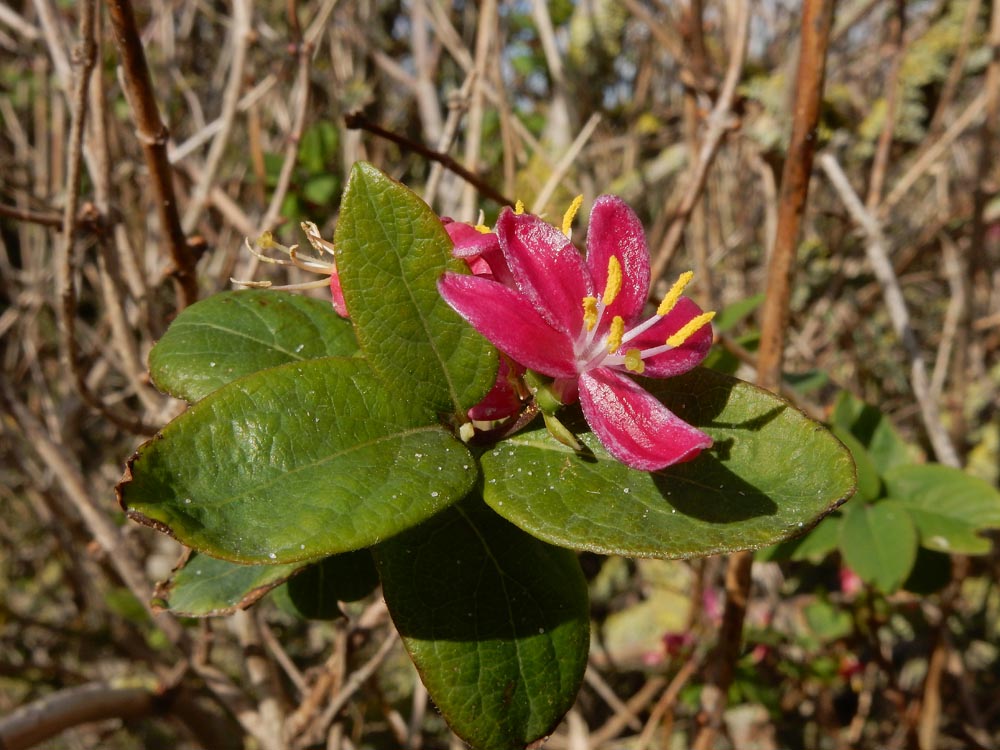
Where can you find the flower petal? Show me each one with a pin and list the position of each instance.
(503, 400)
(469, 241)
(337, 293)
(510, 322)
(548, 270)
(682, 358)
(636, 428)
(616, 231)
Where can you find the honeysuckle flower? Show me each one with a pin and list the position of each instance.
(580, 321)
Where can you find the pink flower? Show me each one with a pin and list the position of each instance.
(579, 320)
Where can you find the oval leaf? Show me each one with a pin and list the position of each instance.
(495, 620)
(949, 507)
(204, 586)
(771, 474)
(879, 543)
(391, 250)
(295, 462)
(232, 334)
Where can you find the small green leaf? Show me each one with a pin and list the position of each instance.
(314, 593)
(391, 250)
(874, 431)
(495, 620)
(296, 462)
(949, 507)
(233, 334)
(879, 542)
(772, 474)
(732, 314)
(206, 586)
(812, 546)
(869, 484)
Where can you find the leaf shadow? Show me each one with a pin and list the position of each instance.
(707, 490)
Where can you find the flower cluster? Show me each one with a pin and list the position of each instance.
(580, 321)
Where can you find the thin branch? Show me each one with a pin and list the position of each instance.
(876, 248)
(718, 122)
(486, 33)
(357, 121)
(153, 136)
(47, 717)
(565, 163)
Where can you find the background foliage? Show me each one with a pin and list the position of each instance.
(890, 643)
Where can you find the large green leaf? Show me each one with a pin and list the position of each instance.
(391, 250)
(495, 620)
(772, 474)
(233, 334)
(204, 586)
(949, 507)
(879, 542)
(295, 462)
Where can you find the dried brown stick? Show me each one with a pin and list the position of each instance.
(486, 33)
(816, 23)
(880, 163)
(634, 705)
(66, 266)
(666, 702)
(710, 143)
(357, 121)
(47, 717)
(876, 248)
(153, 136)
(239, 32)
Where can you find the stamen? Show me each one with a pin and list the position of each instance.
(483, 229)
(614, 284)
(633, 361)
(519, 207)
(674, 294)
(690, 328)
(567, 225)
(590, 312)
(614, 339)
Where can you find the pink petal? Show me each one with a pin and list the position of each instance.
(508, 320)
(503, 400)
(337, 293)
(616, 231)
(548, 270)
(469, 241)
(636, 428)
(683, 358)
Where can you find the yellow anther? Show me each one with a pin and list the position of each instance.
(633, 361)
(614, 284)
(590, 312)
(266, 241)
(692, 326)
(675, 293)
(615, 334)
(567, 225)
(483, 229)
(519, 207)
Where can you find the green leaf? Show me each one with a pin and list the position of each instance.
(495, 620)
(879, 542)
(732, 314)
(391, 250)
(949, 507)
(813, 546)
(869, 484)
(295, 462)
(874, 431)
(233, 334)
(314, 593)
(772, 474)
(205, 586)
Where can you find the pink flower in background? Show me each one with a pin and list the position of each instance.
(579, 320)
